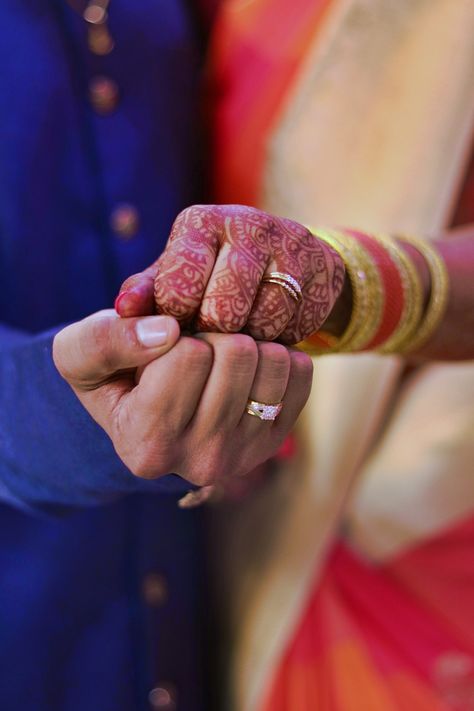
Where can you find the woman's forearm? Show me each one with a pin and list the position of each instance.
(453, 339)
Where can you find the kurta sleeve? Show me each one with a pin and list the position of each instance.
(52, 453)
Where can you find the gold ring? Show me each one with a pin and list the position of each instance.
(262, 410)
(287, 282)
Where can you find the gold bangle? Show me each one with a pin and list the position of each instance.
(412, 292)
(367, 291)
(439, 295)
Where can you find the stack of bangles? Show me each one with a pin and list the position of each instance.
(390, 311)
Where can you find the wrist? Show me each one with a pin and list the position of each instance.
(339, 317)
(421, 266)
(394, 295)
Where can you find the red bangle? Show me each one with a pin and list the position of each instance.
(392, 284)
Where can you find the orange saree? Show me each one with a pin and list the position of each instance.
(334, 112)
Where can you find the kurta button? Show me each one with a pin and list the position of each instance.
(125, 221)
(99, 40)
(154, 589)
(163, 698)
(103, 94)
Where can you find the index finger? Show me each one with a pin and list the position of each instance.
(237, 271)
(187, 262)
(136, 295)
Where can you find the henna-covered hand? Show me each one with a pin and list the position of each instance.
(210, 275)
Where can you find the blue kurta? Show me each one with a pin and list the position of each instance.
(100, 574)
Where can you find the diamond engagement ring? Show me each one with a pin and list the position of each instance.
(262, 410)
(287, 282)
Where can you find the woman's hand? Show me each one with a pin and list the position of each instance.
(179, 406)
(210, 275)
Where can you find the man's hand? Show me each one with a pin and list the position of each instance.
(173, 405)
(210, 275)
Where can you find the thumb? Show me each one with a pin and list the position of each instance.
(137, 294)
(90, 352)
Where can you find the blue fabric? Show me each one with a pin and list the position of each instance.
(79, 533)
(38, 410)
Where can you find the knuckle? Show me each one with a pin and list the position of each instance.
(237, 352)
(182, 216)
(302, 364)
(141, 469)
(194, 212)
(201, 222)
(195, 353)
(100, 344)
(274, 356)
(188, 212)
(146, 464)
(144, 470)
(239, 347)
(134, 459)
(267, 220)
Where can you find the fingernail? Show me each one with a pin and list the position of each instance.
(118, 300)
(152, 331)
(125, 298)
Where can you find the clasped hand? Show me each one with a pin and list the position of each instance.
(174, 403)
(210, 276)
